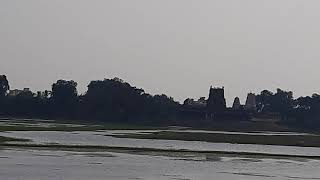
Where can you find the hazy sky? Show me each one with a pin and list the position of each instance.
(177, 47)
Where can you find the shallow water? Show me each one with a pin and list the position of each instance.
(34, 164)
(16, 164)
(100, 138)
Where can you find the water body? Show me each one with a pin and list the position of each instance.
(53, 164)
(102, 139)
(22, 164)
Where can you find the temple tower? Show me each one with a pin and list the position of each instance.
(236, 104)
(216, 102)
(251, 103)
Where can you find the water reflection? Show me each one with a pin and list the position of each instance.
(48, 165)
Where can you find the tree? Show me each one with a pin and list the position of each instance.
(304, 103)
(116, 100)
(4, 85)
(64, 90)
(64, 97)
(264, 100)
(113, 99)
(307, 112)
(281, 102)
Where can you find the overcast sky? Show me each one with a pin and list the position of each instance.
(176, 47)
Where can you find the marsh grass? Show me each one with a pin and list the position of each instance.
(8, 139)
(283, 140)
(70, 126)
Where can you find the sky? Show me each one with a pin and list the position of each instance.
(176, 47)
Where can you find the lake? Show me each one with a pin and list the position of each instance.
(17, 164)
(47, 164)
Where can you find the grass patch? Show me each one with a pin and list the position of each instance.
(54, 126)
(283, 140)
(8, 139)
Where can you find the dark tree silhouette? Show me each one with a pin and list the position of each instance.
(307, 112)
(116, 100)
(281, 102)
(64, 98)
(264, 101)
(4, 85)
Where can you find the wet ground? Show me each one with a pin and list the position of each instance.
(102, 139)
(99, 164)
(16, 164)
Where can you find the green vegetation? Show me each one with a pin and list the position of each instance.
(284, 140)
(8, 139)
(55, 126)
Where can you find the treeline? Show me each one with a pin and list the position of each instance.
(105, 100)
(303, 112)
(114, 100)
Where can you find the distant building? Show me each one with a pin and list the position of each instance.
(236, 104)
(194, 109)
(201, 102)
(216, 102)
(43, 94)
(214, 108)
(251, 103)
(16, 92)
(26, 89)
